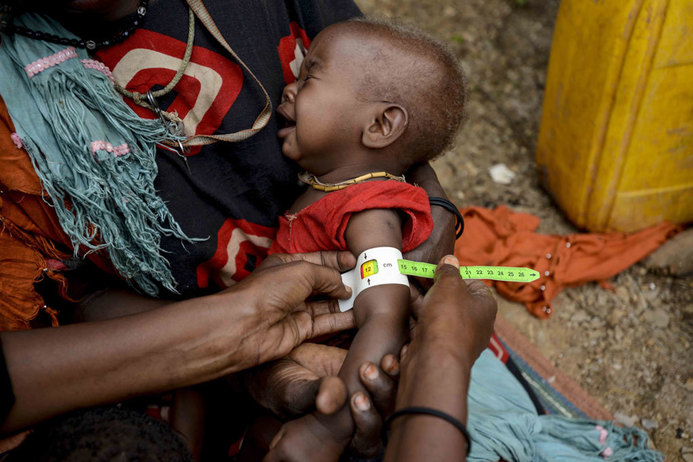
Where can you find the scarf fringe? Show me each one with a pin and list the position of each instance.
(101, 179)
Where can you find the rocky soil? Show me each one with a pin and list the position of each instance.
(630, 347)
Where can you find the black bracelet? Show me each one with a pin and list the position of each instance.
(450, 207)
(434, 412)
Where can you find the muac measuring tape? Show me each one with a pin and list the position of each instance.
(385, 265)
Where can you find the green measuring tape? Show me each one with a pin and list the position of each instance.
(384, 265)
(495, 273)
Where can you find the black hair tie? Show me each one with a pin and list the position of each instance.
(428, 411)
(450, 207)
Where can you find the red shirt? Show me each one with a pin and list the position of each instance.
(322, 225)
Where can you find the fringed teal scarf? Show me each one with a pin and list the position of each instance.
(95, 157)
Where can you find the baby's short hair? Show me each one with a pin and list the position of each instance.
(102, 434)
(424, 76)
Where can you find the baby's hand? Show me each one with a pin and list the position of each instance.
(306, 439)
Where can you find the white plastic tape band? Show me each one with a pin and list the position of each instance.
(374, 267)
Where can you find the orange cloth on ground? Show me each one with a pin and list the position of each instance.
(506, 238)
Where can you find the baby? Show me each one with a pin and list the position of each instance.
(372, 99)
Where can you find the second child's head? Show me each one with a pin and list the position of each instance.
(372, 95)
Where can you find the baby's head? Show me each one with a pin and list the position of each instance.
(375, 94)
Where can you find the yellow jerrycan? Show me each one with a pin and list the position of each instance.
(615, 146)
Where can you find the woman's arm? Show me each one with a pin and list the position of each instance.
(454, 326)
(59, 369)
(442, 239)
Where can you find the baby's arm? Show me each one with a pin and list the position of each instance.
(381, 314)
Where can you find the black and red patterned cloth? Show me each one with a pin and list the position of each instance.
(232, 192)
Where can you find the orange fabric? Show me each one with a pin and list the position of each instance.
(505, 238)
(30, 234)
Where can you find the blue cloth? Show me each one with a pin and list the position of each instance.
(504, 425)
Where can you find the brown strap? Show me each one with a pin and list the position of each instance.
(261, 121)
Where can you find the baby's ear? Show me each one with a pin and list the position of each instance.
(388, 124)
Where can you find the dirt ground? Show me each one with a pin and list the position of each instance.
(630, 348)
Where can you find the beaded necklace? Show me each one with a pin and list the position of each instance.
(88, 44)
(312, 180)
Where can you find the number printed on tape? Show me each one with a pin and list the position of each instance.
(369, 268)
(495, 273)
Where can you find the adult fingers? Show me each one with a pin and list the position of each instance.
(448, 284)
(390, 365)
(331, 396)
(279, 290)
(381, 386)
(330, 323)
(291, 283)
(304, 324)
(485, 302)
(323, 360)
(301, 382)
(478, 289)
(283, 386)
(324, 280)
(341, 261)
(447, 272)
(452, 302)
(416, 296)
(320, 306)
(448, 269)
(366, 441)
(368, 412)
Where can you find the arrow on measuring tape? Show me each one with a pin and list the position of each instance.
(494, 273)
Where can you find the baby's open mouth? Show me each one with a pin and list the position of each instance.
(288, 123)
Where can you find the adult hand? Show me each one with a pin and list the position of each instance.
(455, 312)
(176, 345)
(369, 410)
(290, 386)
(307, 380)
(454, 325)
(341, 261)
(280, 314)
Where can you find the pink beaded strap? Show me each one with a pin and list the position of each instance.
(97, 66)
(101, 145)
(49, 61)
(17, 140)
